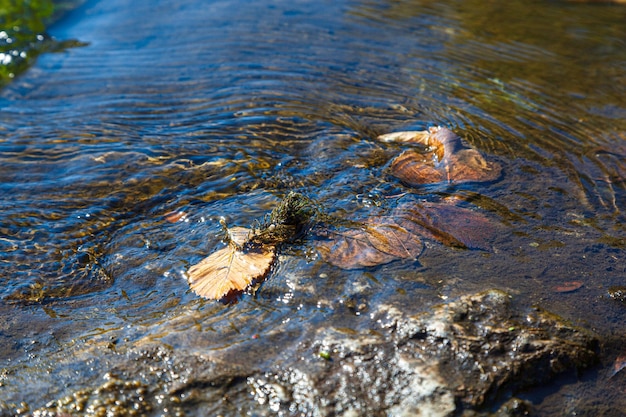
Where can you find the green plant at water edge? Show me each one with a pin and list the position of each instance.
(22, 29)
(23, 35)
(25, 15)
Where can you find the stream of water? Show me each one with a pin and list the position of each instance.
(220, 108)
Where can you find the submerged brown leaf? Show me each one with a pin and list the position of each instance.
(383, 239)
(618, 365)
(445, 160)
(447, 223)
(175, 216)
(232, 268)
(376, 242)
(568, 286)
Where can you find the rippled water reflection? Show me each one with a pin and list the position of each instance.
(220, 108)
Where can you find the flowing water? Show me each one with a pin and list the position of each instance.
(219, 108)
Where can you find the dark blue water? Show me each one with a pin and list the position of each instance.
(219, 108)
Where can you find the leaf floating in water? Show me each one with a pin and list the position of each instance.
(446, 159)
(412, 136)
(232, 268)
(378, 241)
(569, 286)
(239, 235)
(250, 253)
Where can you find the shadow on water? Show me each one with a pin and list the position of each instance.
(219, 109)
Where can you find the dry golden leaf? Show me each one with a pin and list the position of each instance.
(239, 235)
(377, 242)
(232, 268)
(412, 136)
(250, 253)
(445, 160)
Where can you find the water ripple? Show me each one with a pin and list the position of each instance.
(220, 108)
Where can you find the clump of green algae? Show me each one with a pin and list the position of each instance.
(290, 220)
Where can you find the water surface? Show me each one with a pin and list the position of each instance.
(220, 108)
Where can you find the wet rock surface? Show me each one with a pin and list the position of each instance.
(470, 357)
(467, 355)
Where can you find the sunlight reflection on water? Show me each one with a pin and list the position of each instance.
(220, 109)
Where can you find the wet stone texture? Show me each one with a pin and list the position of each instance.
(469, 357)
(462, 357)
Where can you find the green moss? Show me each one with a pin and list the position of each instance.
(23, 34)
(288, 221)
(25, 15)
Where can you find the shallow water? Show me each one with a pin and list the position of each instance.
(219, 109)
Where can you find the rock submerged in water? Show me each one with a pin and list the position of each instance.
(465, 356)
(459, 358)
